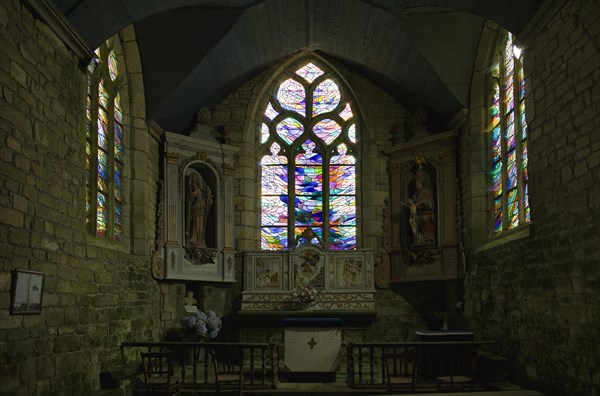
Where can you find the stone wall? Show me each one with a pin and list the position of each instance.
(538, 295)
(95, 294)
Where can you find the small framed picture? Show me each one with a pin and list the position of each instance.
(26, 292)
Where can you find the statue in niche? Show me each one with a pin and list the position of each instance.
(422, 205)
(204, 116)
(198, 204)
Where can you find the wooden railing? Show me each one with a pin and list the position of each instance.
(194, 367)
(365, 367)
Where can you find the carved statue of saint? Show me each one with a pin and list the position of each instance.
(198, 204)
(425, 212)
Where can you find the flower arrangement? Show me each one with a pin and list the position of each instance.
(202, 324)
(305, 294)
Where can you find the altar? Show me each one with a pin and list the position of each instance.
(312, 346)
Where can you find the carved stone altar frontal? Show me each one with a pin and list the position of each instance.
(198, 208)
(344, 279)
(422, 218)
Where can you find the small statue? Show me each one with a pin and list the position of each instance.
(204, 116)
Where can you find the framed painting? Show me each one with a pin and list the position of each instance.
(26, 292)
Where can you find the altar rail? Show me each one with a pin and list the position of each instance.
(364, 360)
(261, 367)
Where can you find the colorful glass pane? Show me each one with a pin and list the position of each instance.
(101, 214)
(289, 129)
(309, 72)
(118, 184)
(273, 238)
(512, 171)
(341, 179)
(352, 133)
(264, 133)
(88, 116)
(327, 130)
(274, 158)
(291, 96)
(102, 128)
(274, 180)
(299, 230)
(346, 114)
(113, 65)
(309, 157)
(270, 112)
(342, 210)
(326, 97)
(342, 157)
(102, 166)
(118, 142)
(308, 210)
(118, 109)
(102, 95)
(309, 179)
(342, 238)
(513, 209)
(498, 214)
(274, 211)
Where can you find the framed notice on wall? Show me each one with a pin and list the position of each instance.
(26, 292)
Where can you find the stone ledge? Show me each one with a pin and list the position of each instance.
(352, 318)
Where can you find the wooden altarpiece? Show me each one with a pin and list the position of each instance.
(422, 209)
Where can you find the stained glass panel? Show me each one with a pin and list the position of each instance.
(88, 116)
(102, 95)
(342, 210)
(309, 157)
(118, 144)
(264, 133)
(299, 230)
(102, 128)
(113, 65)
(309, 72)
(101, 214)
(291, 96)
(289, 129)
(274, 180)
(498, 214)
(326, 97)
(346, 114)
(309, 179)
(274, 211)
(118, 109)
(341, 179)
(327, 130)
(308, 210)
(352, 133)
(513, 209)
(342, 238)
(274, 158)
(118, 183)
(270, 112)
(273, 238)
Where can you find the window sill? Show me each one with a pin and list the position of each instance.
(506, 237)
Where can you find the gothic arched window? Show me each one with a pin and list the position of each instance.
(309, 163)
(508, 127)
(104, 146)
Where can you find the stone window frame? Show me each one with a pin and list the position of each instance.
(480, 215)
(347, 97)
(498, 58)
(121, 84)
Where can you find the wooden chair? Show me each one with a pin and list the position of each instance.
(400, 370)
(158, 369)
(229, 367)
(461, 369)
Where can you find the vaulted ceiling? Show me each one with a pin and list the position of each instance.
(196, 52)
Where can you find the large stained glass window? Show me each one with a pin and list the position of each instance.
(104, 145)
(308, 166)
(508, 126)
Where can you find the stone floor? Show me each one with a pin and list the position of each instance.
(340, 388)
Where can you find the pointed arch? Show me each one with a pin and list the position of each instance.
(308, 153)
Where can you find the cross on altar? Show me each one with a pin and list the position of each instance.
(312, 342)
(189, 299)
